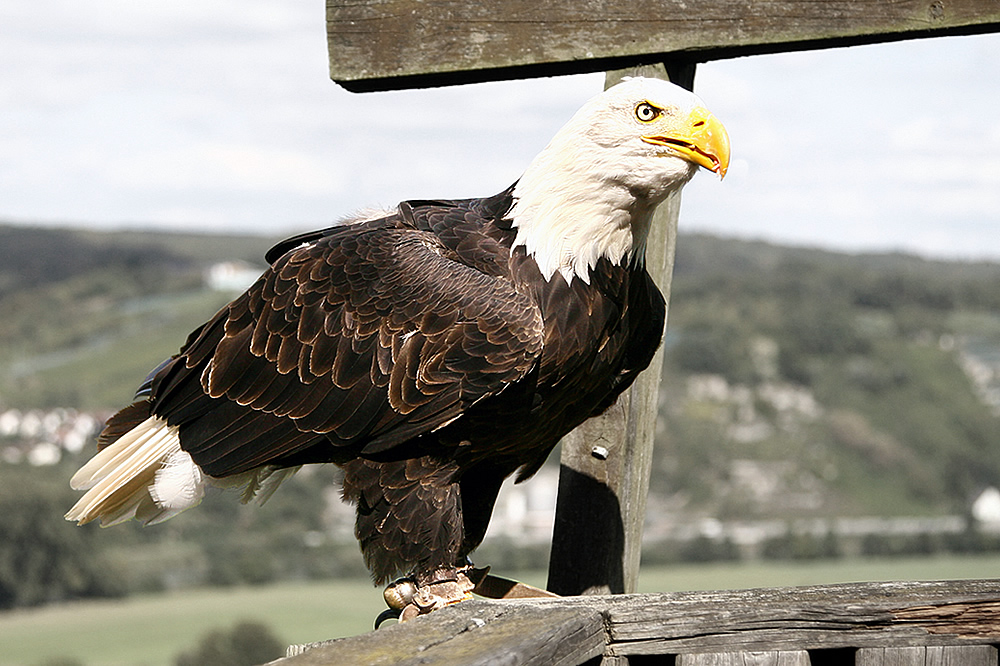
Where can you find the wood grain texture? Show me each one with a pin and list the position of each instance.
(384, 44)
(940, 655)
(759, 658)
(766, 624)
(817, 617)
(489, 633)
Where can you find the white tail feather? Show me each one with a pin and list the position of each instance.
(121, 453)
(270, 482)
(179, 482)
(258, 484)
(120, 480)
(147, 476)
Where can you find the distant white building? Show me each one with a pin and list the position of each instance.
(10, 422)
(39, 437)
(986, 509)
(46, 453)
(231, 275)
(526, 511)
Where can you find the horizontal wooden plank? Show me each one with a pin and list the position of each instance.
(951, 655)
(760, 658)
(522, 636)
(778, 621)
(384, 44)
(806, 618)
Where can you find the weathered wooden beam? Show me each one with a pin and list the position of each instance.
(758, 658)
(938, 655)
(391, 44)
(488, 634)
(605, 463)
(804, 618)
(778, 622)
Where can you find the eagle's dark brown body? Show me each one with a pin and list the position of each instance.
(431, 352)
(419, 353)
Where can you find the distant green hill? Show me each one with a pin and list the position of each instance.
(803, 382)
(85, 315)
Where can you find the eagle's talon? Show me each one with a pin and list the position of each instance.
(387, 614)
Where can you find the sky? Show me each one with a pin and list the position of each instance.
(221, 116)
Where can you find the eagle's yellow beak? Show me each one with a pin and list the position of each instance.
(698, 137)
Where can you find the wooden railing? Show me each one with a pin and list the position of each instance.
(381, 45)
(954, 623)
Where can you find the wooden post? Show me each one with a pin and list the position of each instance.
(605, 463)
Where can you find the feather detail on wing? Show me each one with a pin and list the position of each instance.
(354, 342)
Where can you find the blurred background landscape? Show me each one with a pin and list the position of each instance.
(826, 415)
(822, 415)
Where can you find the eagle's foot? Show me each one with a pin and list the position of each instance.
(440, 589)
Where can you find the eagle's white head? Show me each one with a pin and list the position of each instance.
(592, 191)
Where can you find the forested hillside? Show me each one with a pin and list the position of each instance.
(799, 384)
(84, 316)
(845, 384)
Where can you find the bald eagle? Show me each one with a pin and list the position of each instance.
(430, 351)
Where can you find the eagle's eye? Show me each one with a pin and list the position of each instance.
(646, 112)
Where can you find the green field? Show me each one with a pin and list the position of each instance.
(151, 630)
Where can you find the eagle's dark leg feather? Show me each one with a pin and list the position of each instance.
(419, 517)
(409, 516)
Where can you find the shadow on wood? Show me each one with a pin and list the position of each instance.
(588, 539)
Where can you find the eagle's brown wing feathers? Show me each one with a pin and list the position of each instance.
(350, 344)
